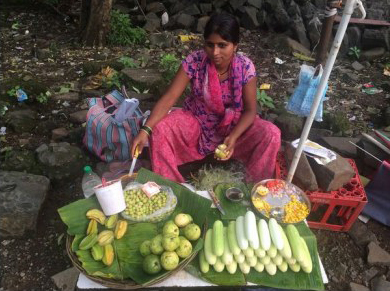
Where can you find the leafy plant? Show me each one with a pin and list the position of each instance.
(12, 91)
(3, 108)
(354, 52)
(122, 32)
(139, 91)
(15, 25)
(111, 80)
(169, 64)
(128, 62)
(264, 100)
(43, 97)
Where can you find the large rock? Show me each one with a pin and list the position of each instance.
(341, 145)
(380, 284)
(290, 126)
(162, 40)
(21, 161)
(357, 287)
(373, 38)
(287, 45)
(22, 120)
(21, 198)
(299, 31)
(249, 18)
(144, 78)
(373, 54)
(71, 96)
(361, 235)
(377, 255)
(61, 162)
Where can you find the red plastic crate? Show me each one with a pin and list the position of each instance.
(333, 210)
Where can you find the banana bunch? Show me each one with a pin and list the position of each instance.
(100, 243)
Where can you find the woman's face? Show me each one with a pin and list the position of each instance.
(219, 50)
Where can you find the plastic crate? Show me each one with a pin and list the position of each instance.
(333, 210)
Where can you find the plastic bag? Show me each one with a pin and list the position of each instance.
(159, 214)
(302, 99)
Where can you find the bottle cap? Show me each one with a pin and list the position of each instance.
(87, 169)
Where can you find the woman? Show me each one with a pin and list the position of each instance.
(220, 109)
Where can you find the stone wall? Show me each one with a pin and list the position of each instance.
(300, 19)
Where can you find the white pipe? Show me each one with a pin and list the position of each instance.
(348, 10)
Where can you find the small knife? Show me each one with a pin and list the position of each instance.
(216, 201)
(136, 153)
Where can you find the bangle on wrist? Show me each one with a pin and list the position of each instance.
(147, 129)
(147, 133)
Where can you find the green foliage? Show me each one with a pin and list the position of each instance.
(128, 62)
(121, 31)
(3, 108)
(336, 122)
(264, 100)
(15, 25)
(354, 52)
(12, 91)
(43, 97)
(112, 81)
(169, 64)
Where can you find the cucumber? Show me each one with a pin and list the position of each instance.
(204, 266)
(278, 259)
(260, 252)
(295, 267)
(218, 243)
(227, 257)
(295, 243)
(291, 261)
(240, 233)
(265, 239)
(271, 268)
(259, 267)
(208, 248)
(265, 260)
(219, 266)
(232, 267)
(283, 267)
(274, 231)
(244, 267)
(249, 252)
(251, 230)
(272, 251)
(231, 234)
(307, 263)
(251, 261)
(286, 250)
(239, 258)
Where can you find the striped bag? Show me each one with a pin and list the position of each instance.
(106, 137)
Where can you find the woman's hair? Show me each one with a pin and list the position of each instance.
(225, 25)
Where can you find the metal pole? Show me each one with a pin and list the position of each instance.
(348, 10)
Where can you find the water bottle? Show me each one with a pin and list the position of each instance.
(90, 180)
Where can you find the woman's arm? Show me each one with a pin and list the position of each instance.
(247, 117)
(163, 105)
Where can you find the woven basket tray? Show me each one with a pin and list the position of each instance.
(127, 284)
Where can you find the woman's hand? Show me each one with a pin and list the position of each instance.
(139, 141)
(230, 142)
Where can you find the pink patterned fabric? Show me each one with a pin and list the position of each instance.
(191, 133)
(175, 142)
(216, 122)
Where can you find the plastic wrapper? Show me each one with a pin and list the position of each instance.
(158, 215)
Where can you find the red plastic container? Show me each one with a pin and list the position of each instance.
(333, 210)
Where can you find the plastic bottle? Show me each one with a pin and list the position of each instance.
(90, 180)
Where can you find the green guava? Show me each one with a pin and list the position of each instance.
(192, 231)
(151, 264)
(169, 260)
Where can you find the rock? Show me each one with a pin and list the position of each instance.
(350, 77)
(66, 280)
(304, 176)
(153, 22)
(162, 40)
(45, 127)
(380, 284)
(21, 198)
(373, 54)
(61, 162)
(205, 8)
(357, 66)
(201, 24)
(71, 96)
(387, 116)
(377, 255)
(235, 4)
(192, 10)
(78, 117)
(59, 134)
(333, 175)
(341, 145)
(316, 134)
(185, 21)
(155, 7)
(373, 149)
(358, 287)
(313, 28)
(373, 38)
(22, 120)
(144, 78)
(256, 3)
(21, 161)
(299, 31)
(248, 19)
(287, 45)
(354, 36)
(290, 126)
(370, 273)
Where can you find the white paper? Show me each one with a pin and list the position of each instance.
(321, 154)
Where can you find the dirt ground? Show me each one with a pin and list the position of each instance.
(29, 263)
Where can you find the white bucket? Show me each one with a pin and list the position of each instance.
(111, 197)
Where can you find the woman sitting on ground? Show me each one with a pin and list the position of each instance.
(220, 109)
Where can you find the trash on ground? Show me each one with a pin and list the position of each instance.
(369, 88)
(279, 61)
(265, 86)
(21, 95)
(303, 57)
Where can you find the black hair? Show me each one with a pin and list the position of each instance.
(225, 25)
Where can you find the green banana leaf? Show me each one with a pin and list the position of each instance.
(128, 261)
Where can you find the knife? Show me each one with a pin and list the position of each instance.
(216, 201)
(136, 153)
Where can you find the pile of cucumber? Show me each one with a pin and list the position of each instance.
(247, 243)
